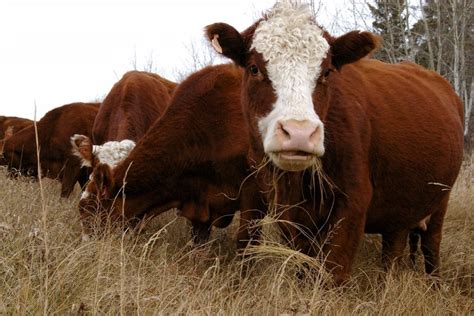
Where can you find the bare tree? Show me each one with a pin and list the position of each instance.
(200, 55)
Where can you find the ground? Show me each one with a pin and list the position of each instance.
(46, 268)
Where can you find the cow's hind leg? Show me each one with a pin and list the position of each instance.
(70, 176)
(431, 238)
(413, 241)
(201, 232)
(393, 246)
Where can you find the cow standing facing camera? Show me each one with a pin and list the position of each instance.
(356, 145)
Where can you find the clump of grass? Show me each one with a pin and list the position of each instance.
(159, 271)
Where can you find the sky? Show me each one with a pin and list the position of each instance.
(55, 52)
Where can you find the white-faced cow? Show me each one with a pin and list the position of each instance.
(388, 137)
(54, 131)
(194, 157)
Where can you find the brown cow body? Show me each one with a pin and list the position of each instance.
(54, 130)
(131, 107)
(193, 158)
(14, 123)
(10, 125)
(389, 137)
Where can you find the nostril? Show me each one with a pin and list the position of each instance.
(316, 134)
(284, 131)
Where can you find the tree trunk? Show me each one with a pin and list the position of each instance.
(428, 37)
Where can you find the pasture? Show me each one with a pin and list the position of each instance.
(45, 267)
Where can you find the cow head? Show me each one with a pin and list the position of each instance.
(288, 60)
(103, 159)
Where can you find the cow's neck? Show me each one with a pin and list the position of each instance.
(170, 146)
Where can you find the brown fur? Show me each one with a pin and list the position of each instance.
(392, 133)
(132, 105)
(9, 126)
(56, 159)
(17, 123)
(193, 157)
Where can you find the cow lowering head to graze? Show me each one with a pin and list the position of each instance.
(194, 157)
(385, 141)
(6, 135)
(8, 127)
(54, 131)
(131, 106)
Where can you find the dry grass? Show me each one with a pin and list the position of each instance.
(159, 271)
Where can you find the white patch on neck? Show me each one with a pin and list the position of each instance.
(293, 47)
(112, 153)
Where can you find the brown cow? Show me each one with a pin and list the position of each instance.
(8, 126)
(194, 157)
(13, 123)
(388, 138)
(131, 106)
(56, 159)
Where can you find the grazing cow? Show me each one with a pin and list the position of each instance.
(54, 131)
(9, 126)
(13, 124)
(386, 140)
(194, 157)
(132, 105)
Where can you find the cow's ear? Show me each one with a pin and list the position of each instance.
(8, 132)
(103, 180)
(353, 46)
(82, 148)
(227, 41)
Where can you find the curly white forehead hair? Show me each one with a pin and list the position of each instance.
(293, 47)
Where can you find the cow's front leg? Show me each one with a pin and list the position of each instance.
(252, 210)
(345, 230)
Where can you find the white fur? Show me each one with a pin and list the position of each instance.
(112, 153)
(75, 150)
(293, 47)
(85, 195)
(85, 163)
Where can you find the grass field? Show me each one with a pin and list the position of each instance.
(45, 268)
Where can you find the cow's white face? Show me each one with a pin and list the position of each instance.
(110, 154)
(94, 199)
(293, 49)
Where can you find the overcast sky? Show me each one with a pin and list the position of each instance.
(62, 51)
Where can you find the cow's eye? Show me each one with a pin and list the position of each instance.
(253, 69)
(327, 72)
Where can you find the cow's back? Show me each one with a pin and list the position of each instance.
(56, 128)
(17, 123)
(204, 124)
(54, 131)
(131, 106)
(408, 123)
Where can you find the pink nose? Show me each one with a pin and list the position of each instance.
(299, 135)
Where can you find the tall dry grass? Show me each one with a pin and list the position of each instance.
(159, 271)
